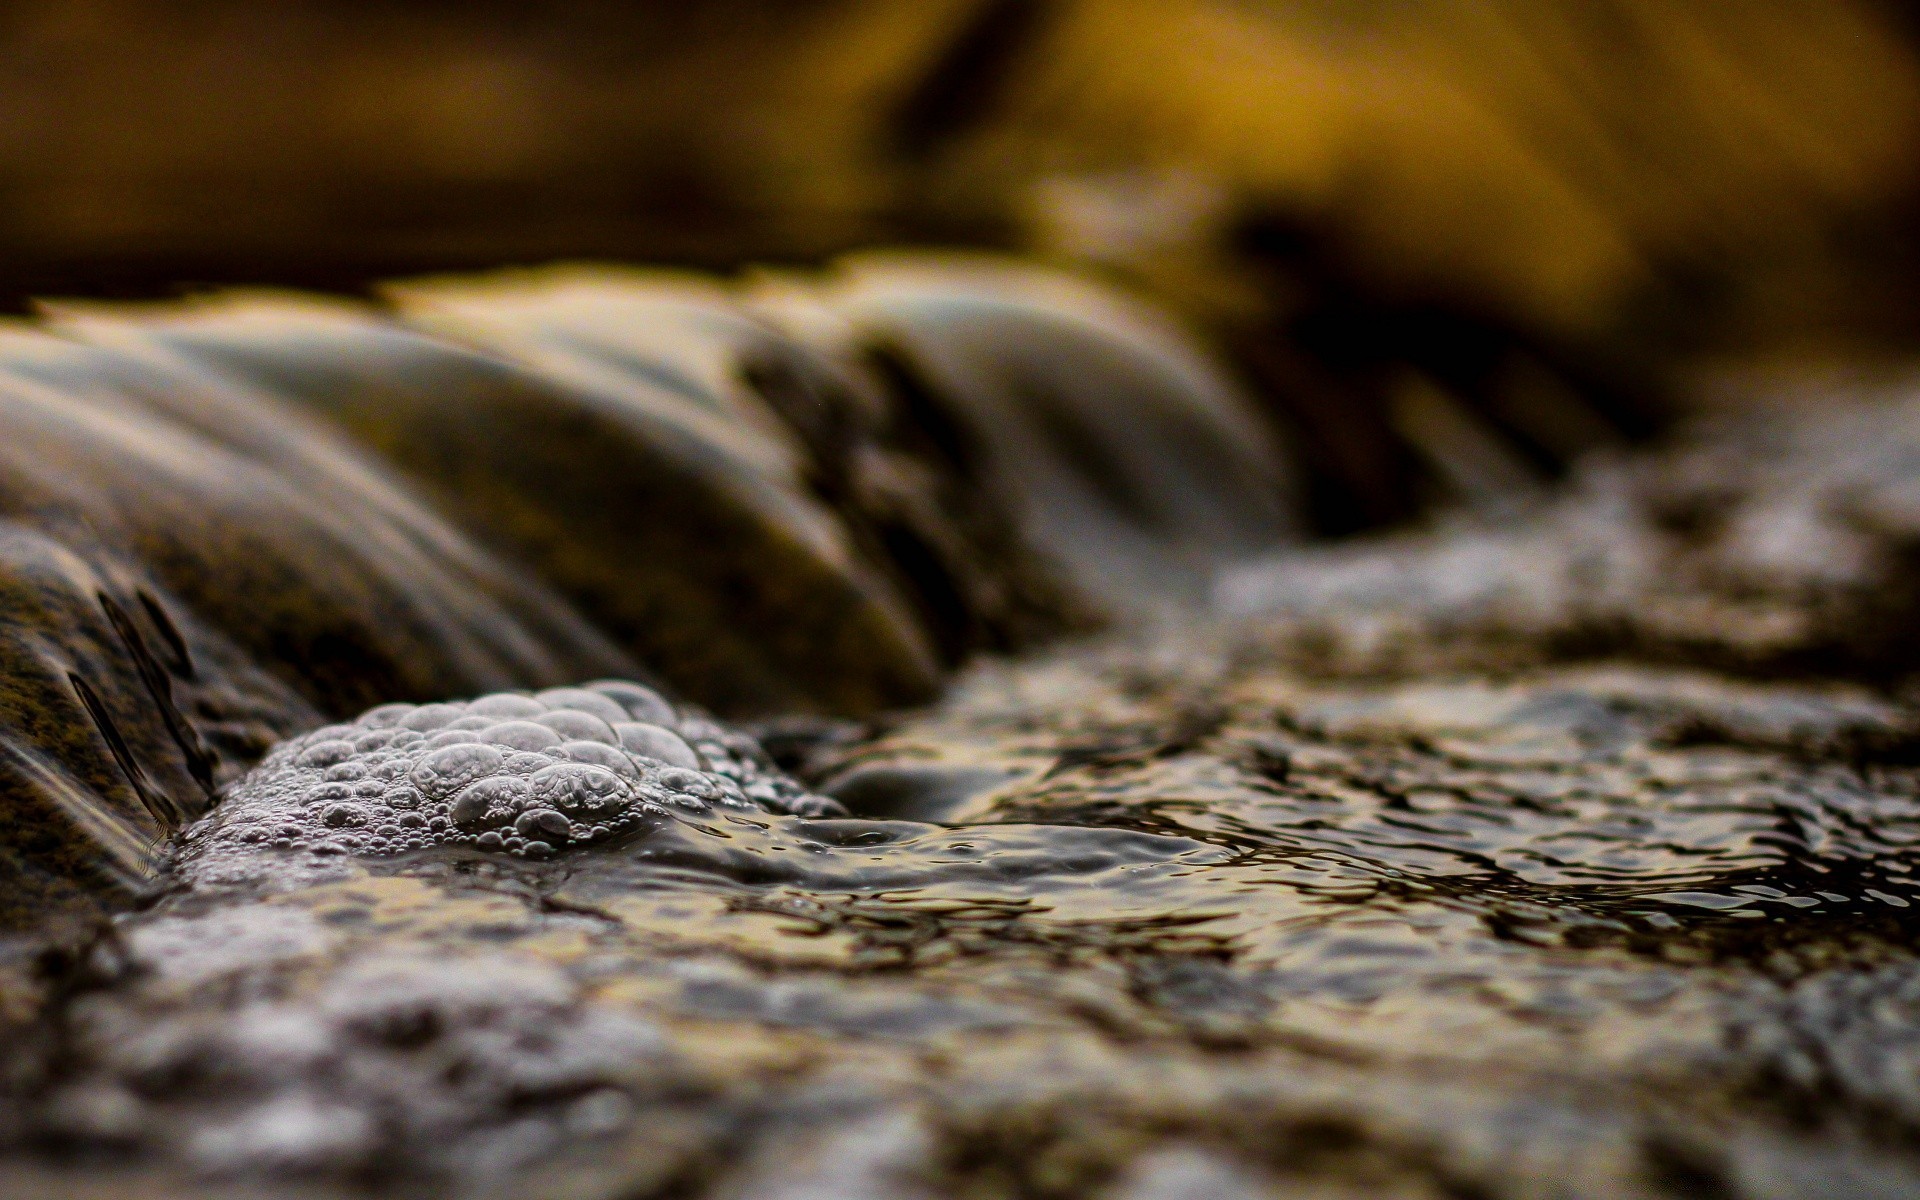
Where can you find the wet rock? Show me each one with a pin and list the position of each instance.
(122, 713)
(673, 526)
(886, 452)
(273, 530)
(191, 574)
(731, 365)
(897, 459)
(1128, 461)
(1781, 543)
(695, 350)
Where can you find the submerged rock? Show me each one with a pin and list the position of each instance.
(274, 529)
(674, 528)
(695, 475)
(122, 714)
(796, 494)
(734, 366)
(1127, 458)
(189, 573)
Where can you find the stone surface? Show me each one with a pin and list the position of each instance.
(745, 368)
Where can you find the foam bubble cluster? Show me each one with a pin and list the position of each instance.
(522, 774)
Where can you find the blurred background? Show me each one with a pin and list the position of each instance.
(1515, 227)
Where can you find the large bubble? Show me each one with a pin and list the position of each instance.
(526, 775)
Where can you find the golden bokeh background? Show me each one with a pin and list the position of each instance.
(1400, 219)
(1735, 170)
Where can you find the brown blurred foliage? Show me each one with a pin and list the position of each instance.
(1573, 162)
(1390, 210)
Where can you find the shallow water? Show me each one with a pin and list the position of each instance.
(224, 521)
(1470, 863)
(1579, 931)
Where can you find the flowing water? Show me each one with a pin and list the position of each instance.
(1567, 856)
(1588, 931)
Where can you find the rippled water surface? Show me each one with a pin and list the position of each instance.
(1181, 915)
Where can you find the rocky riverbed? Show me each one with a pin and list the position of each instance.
(877, 733)
(1568, 854)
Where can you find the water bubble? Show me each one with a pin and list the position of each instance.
(521, 735)
(651, 741)
(690, 783)
(326, 754)
(697, 728)
(731, 794)
(530, 775)
(490, 802)
(506, 706)
(542, 823)
(600, 755)
(579, 727)
(339, 816)
(447, 770)
(385, 715)
(583, 701)
(643, 703)
(429, 718)
(580, 789)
